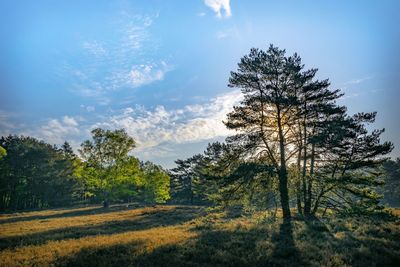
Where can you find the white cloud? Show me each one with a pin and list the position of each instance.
(69, 121)
(128, 111)
(88, 108)
(6, 125)
(138, 75)
(145, 74)
(218, 6)
(56, 131)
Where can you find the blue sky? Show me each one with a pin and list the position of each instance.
(160, 69)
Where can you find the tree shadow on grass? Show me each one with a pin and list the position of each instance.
(117, 255)
(211, 247)
(241, 246)
(350, 242)
(285, 252)
(63, 214)
(317, 229)
(147, 220)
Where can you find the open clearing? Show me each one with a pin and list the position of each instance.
(191, 236)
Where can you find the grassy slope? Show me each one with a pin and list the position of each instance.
(188, 236)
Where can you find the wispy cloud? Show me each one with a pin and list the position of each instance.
(123, 62)
(94, 47)
(8, 123)
(358, 81)
(221, 8)
(5, 122)
(139, 75)
(231, 32)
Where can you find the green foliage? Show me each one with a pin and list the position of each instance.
(187, 181)
(290, 121)
(3, 152)
(107, 170)
(35, 175)
(156, 183)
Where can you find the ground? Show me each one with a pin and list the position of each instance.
(193, 236)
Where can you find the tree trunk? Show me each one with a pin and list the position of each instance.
(284, 192)
(305, 144)
(106, 204)
(298, 195)
(307, 204)
(283, 178)
(298, 183)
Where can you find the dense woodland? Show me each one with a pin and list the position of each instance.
(35, 174)
(294, 147)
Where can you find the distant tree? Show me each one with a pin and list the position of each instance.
(3, 152)
(186, 180)
(231, 179)
(391, 189)
(219, 161)
(67, 149)
(108, 171)
(156, 183)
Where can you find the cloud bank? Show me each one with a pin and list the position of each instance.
(189, 124)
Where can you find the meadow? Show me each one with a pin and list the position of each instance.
(166, 235)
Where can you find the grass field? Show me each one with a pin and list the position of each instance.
(191, 236)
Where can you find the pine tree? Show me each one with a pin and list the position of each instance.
(291, 122)
(270, 83)
(187, 180)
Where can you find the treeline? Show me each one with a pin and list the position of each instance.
(206, 179)
(35, 174)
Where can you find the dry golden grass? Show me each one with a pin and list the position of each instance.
(188, 236)
(52, 251)
(49, 220)
(47, 233)
(395, 212)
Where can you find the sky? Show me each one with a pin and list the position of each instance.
(160, 69)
